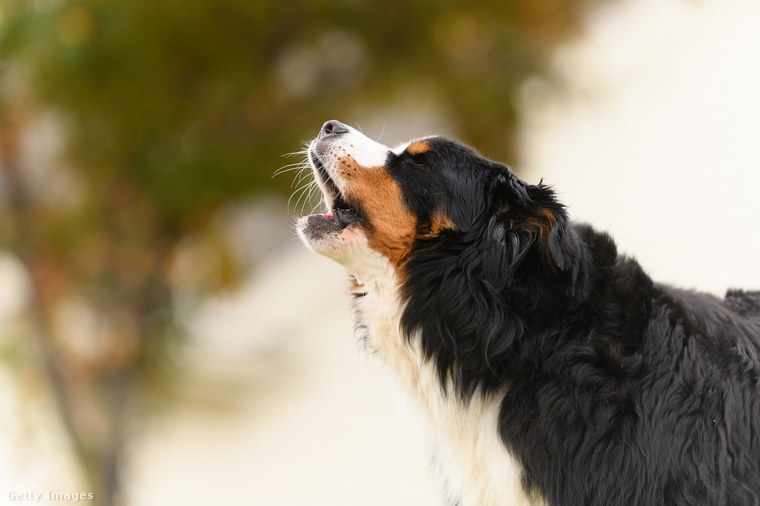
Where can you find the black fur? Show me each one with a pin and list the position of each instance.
(619, 390)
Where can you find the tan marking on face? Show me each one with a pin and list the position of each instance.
(440, 222)
(418, 147)
(391, 226)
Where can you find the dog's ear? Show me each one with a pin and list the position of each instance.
(534, 210)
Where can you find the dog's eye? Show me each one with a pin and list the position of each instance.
(412, 164)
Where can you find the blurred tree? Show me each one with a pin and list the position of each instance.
(169, 110)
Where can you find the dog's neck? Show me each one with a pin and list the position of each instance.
(466, 445)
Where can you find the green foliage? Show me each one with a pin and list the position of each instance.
(193, 103)
(172, 109)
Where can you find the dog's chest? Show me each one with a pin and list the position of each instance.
(471, 459)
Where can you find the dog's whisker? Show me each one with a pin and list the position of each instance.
(289, 168)
(298, 191)
(306, 194)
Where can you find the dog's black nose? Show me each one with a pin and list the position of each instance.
(333, 127)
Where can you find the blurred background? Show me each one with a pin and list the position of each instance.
(165, 338)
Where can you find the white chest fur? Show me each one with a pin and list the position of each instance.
(474, 464)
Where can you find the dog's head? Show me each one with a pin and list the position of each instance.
(474, 255)
(387, 205)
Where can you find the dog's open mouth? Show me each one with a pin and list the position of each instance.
(340, 212)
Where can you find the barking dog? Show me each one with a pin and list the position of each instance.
(549, 368)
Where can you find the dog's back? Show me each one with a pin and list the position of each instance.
(745, 303)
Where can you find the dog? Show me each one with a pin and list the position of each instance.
(549, 368)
